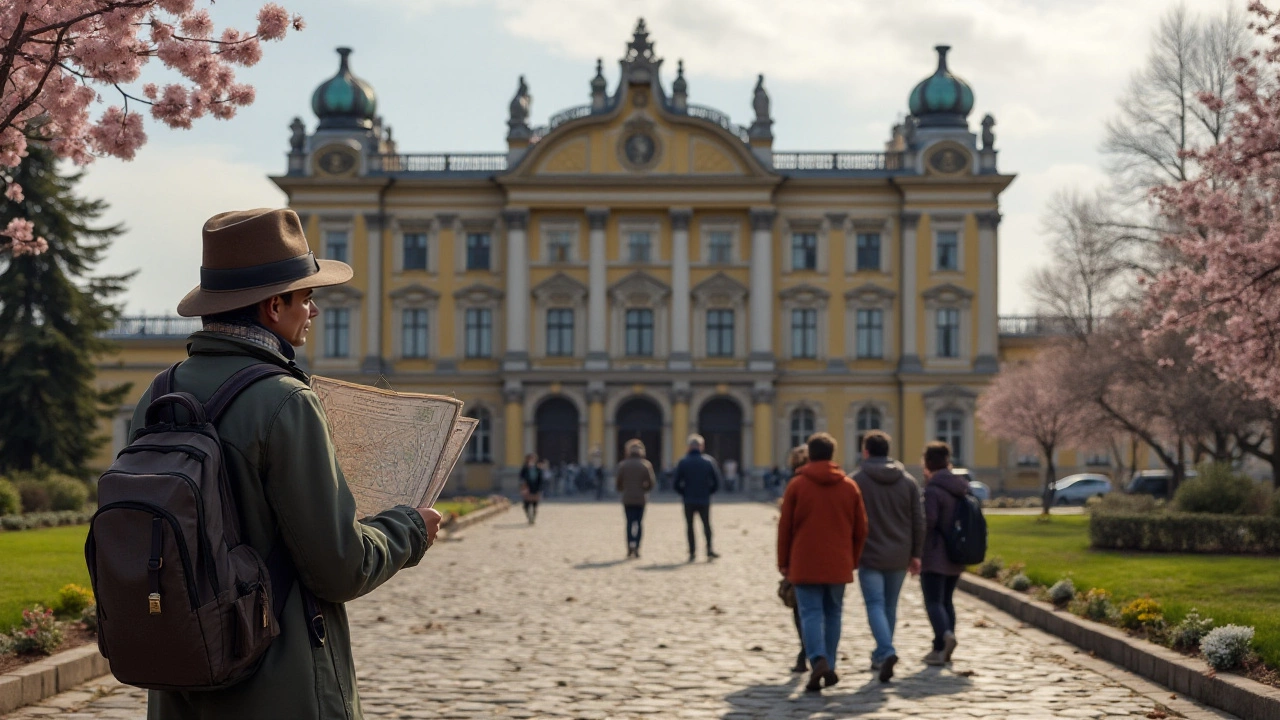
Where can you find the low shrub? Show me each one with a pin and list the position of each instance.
(1216, 489)
(1275, 505)
(66, 493)
(991, 567)
(1117, 502)
(1184, 532)
(1019, 582)
(1094, 605)
(1142, 614)
(38, 634)
(1226, 647)
(72, 600)
(35, 521)
(10, 500)
(1188, 633)
(1009, 571)
(35, 496)
(1062, 592)
(89, 617)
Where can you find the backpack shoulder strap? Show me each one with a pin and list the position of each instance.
(236, 384)
(163, 385)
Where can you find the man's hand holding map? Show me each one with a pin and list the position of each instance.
(394, 448)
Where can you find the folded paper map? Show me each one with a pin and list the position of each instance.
(394, 448)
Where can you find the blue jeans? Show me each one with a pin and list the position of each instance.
(635, 517)
(880, 590)
(820, 609)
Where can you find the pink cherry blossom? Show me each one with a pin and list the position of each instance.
(14, 192)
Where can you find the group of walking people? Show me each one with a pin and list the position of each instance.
(696, 478)
(879, 523)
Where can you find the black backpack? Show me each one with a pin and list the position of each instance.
(966, 536)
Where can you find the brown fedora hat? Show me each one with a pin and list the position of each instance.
(251, 255)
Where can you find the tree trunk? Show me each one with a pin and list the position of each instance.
(1050, 474)
(1178, 469)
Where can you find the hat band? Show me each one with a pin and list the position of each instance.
(254, 276)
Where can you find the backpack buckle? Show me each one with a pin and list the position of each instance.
(154, 601)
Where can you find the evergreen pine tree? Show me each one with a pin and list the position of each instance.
(52, 312)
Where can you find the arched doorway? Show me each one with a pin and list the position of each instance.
(557, 423)
(720, 424)
(640, 418)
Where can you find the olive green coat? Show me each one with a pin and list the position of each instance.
(280, 461)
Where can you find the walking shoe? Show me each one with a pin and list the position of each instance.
(712, 555)
(935, 658)
(800, 666)
(691, 557)
(820, 669)
(886, 668)
(948, 645)
(830, 678)
(875, 666)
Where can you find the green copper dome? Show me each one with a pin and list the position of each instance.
(344, 100)
(942, 99)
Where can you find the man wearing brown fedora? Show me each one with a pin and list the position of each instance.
(255, 298)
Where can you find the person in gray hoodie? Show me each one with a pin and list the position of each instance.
(938, 576)
(895, 516)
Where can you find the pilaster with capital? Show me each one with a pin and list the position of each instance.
(375, 238)
(680, 358)
(762, 396)
(761, 299)
(595, 415)
(513, 421)
(910, 356)
(517, 314)
(681, 393)
(597, 297)
(987, 360)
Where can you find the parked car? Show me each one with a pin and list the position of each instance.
(1076, 489)
(980, 490)
(1152, 482)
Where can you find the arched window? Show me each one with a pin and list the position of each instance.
(803, 424)
(950, 430)
(868, 419)
(480, 446)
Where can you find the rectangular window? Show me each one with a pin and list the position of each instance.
(559, 332)
(639, 247)
(719, 333)
(335, 245)
(948, 249)
(337, 332)
(478, 245)
(804, 333)
(479, 330)
(415, 251)
(559, 247)
(949, 333)
(870, 333)
(950, 430)
(868, 251)
(804, 251)
(720, 247)
(413, 333)
(640, 333)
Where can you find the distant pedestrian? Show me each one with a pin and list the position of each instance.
(796, 459)
(731, 475)
(939, 575)
(820, 538)
(634, 480)
(532, 477)
(697, 479)
(895, 539)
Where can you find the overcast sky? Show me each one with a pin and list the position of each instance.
(838, 71)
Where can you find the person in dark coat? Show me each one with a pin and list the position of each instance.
(634, 481)
(697, 479)
(532, 476)
(938, 576)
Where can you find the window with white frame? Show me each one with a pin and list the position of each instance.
(337, 332)
(804, 333)
(480, 446)
(804, 251)
(559, 246)
(803, 424)
(415, 251)
(720, 247)
(336, 245)
(1095, 458)
(949, 428)
(639, 247)
(720, 333)
(479, 246)
(868, 419)
(1026, 459)
(868, 251)
(479, 332)
(413, 333)
(639, 332)
(870, 333)
(560, 332)
(948, 329)
(947, 250)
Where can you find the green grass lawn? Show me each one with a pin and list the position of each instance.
(35, 564)
(1231, 589)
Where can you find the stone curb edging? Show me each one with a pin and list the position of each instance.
(1191, 677)
(58, 673)
(499, 506)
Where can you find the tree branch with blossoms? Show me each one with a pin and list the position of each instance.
(56, 56)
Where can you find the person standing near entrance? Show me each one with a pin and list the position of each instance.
(531, 479)
(820, 537)
(895, 539)
(697, 479)
(939, 575)
(635, 480)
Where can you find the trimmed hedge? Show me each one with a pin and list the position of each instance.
(34, 521)
(1185, 532)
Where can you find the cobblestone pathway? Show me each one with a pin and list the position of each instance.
(549, 621)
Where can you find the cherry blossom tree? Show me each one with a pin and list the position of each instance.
(63, 62)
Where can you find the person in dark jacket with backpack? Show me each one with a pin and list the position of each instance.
(532, 476)
(938, 574)
(697, 479)
(255, 298)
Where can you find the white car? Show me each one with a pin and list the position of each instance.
(1076, 489)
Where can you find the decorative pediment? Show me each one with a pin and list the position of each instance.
(338, 295)
(560, 289)
(414, 294)
(639, 288)
(947, 294)
(479, 295)
(720, 289)
(870, 294)
(804, 294)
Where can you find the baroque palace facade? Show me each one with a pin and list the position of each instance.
(643, 267)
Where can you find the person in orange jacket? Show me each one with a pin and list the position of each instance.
(820, 537)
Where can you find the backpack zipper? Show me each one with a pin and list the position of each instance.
(183, 552)
(201, 535)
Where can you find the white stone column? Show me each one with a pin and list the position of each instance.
(597, 298)
(987, 360)
(909, 359)
(375, 236)
(517, 313)
(761, 302)
(681, 359)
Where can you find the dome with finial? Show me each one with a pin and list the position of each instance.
(344, 100)
(942, 99)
